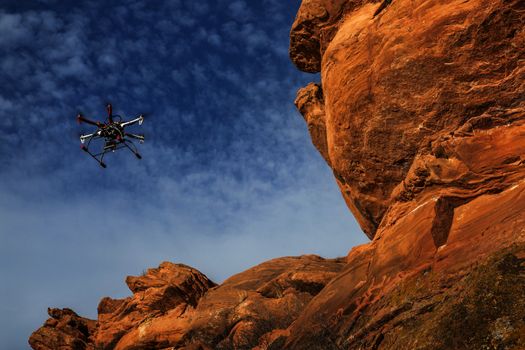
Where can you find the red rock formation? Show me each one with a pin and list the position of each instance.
(165, 293)
(64, 330)
(176, 306)
(421, 115)
(402, 90)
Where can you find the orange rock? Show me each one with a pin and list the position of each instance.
(64, 330)
(161, 293)
(414, 81)
(423, 116)
(265, 298)
(360, 298)
(176, 306)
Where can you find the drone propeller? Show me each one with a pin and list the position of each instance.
(82, 119)
(109, 109)
(147, 115)
(84, 138)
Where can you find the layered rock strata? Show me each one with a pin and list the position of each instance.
(175, 306)
(407, 96)
(63, 330)
(421, 115)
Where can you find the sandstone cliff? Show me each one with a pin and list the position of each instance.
(421, 115)
(175, 306)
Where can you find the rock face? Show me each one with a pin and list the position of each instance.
(175, 306)
(161, 296)
(421, 115)
(64, 330)
(409, 95)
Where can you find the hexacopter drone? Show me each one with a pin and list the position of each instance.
(113, 133)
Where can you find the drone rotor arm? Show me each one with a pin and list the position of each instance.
(109, 109)
(98, 157)
(82, 119)
(131, 146)
(139, 119)
(83, 138)
(135, 136)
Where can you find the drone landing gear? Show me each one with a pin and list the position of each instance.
(132, 149)
(111, 145)
(99, 161)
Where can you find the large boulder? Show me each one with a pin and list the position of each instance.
(407, 95)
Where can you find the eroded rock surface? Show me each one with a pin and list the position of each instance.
(64, 330)
(177, 306)
(165, 293)
(420, 113)
(387, 296)
(412, 90)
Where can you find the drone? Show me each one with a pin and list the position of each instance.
(113, 133)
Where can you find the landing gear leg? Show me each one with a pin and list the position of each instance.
(99, 161)
(134, 151)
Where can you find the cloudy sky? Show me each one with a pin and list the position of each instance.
(228, 178)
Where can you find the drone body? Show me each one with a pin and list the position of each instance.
(113, 134)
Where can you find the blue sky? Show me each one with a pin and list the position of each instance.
(228, 178)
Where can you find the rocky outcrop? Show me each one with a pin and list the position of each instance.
(164, 293)
(177, 306)
(420, 113)
(407, 96)
(64, 330)
(395, 288)
(253, 306)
